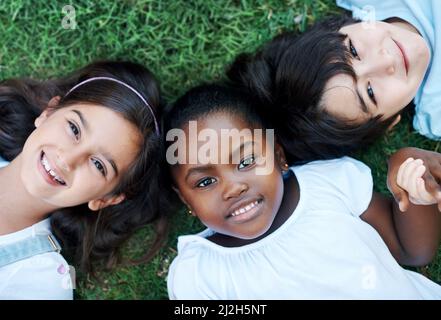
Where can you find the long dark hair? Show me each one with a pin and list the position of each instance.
(289, 75)
(89, 237)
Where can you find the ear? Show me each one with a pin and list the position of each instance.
(280, 157)
(52, 104)
(99, 204)
(394, 123)
(183, 200)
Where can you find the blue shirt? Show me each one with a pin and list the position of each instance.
(425, 16)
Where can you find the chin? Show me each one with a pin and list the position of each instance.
(256, 234)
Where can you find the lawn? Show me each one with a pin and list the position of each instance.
(184, 43)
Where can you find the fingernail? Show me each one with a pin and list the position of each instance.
(400, 205)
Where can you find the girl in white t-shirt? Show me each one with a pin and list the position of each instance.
(90, 164)
(312, 231)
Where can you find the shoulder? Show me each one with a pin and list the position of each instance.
(329, 170)
(338, 183)
(40, 276)
(193, 273)
(181, 278)
(43, 276)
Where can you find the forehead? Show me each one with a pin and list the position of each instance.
(222, 120)
(108, 131)
(215, 136)
(340, 98)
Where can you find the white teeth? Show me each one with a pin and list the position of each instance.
(49, 170)
(244, 209)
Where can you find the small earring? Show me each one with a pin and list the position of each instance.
(285, 171)
(190, 212)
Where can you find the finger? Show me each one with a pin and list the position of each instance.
(404, 189)
(431, 185)
(424, 196)
(401, 198)
(413, 187)
(401, 169)
(409, 176)
(400, 195)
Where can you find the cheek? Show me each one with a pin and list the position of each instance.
(277, 190)
(391, 104)
(203, 205)
(207, 206)
(49, 134)
(86, 182)
(408, 93)
(272, 190)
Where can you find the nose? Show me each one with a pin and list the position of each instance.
(379, 63)
(67, 160)
(235, 189)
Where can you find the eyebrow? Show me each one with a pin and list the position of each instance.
(364, 107)
(82, 119)
(197, 169)
(207, 167)
(85, 124)
(112, 163)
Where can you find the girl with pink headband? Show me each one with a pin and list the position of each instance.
(79, 174)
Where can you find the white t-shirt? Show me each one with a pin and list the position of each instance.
(323, 251)
(43, 276)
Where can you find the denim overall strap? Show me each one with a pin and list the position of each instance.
(31, 246)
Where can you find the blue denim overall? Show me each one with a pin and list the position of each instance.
(26, 248)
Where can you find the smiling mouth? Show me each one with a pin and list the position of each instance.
(403, 55)
(247, 211)
(50, 171)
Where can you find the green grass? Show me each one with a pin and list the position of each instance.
(183, 43)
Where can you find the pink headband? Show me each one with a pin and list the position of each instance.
(125, 85)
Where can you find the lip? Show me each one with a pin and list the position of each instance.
(248, 215)
(46, 175)
(403, 55)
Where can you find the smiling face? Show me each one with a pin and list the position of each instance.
(77, 154)
(390, 63)
(230, 198)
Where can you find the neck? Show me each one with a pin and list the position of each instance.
(18, 208)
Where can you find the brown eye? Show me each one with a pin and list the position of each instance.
(246, 162)
(205, 182)
(75, 130)
(370, 93)
(353, 51)
(99, 166)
